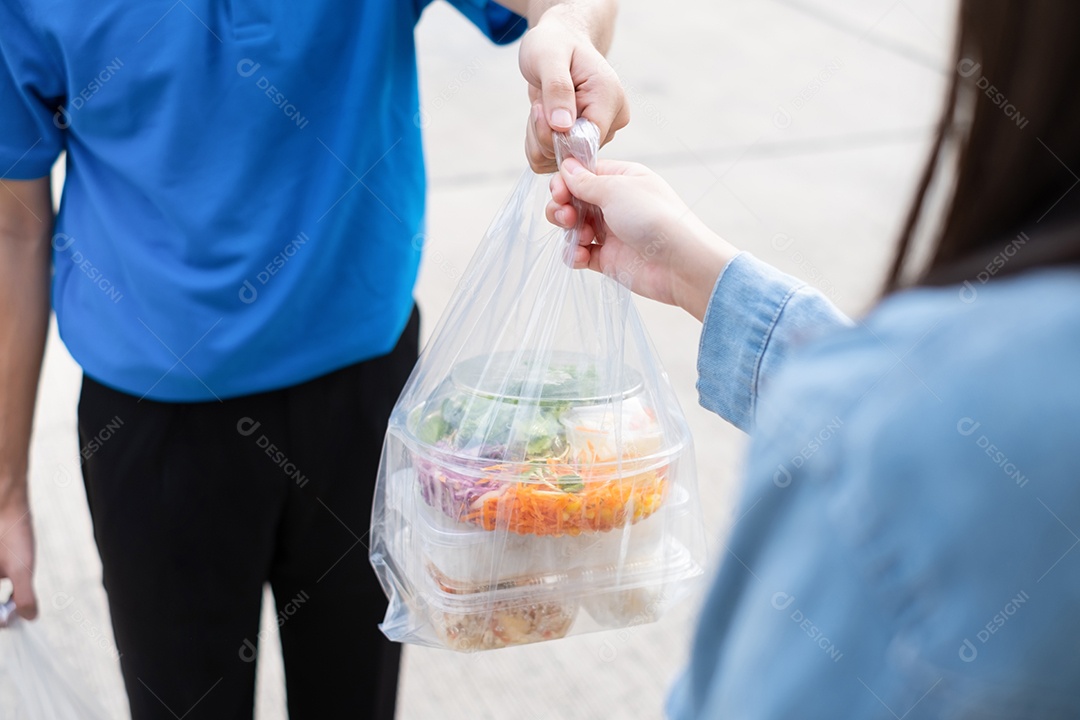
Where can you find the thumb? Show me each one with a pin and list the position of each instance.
(26, 603)
(584, 184)
(557, 92)
(17, 564)
(23, 594)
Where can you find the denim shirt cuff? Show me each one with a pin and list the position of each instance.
(746, 304)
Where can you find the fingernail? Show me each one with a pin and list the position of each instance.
(560, 216)
(538, 111)
(573, 166)
(561, 118)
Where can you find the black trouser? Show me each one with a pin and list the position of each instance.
(197, 505)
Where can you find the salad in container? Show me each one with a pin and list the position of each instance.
(559, 447)
(527, 497)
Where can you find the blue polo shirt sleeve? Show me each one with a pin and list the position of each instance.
(31, 91)
(498, 23)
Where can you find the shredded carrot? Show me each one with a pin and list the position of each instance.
(529, 507)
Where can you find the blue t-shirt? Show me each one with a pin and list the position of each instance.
(244, 181)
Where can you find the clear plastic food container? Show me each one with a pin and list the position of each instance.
(463, 555)
(483, 590)
(555, 448)
(530, 609)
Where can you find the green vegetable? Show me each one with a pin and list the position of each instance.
(542, 433)
(571, 483)
(433, 428)
(524, 430)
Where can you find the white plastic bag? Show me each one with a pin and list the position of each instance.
(43, 691)
(538, 477)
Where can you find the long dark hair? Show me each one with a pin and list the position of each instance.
(1011, 125)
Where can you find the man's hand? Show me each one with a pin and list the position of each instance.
(562, 59)
(17, 555)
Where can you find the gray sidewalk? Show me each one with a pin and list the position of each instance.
(795, 128)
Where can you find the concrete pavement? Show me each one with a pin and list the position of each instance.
(794, 128)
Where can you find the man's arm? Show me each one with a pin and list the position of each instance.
(562, 58)
(596, 18)
(26, 221)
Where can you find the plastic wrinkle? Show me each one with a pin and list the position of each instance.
(43, 688)
(537, 478)
(582, 143)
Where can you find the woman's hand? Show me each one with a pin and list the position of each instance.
(653, 243)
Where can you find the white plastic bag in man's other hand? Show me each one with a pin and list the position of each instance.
(43, 690)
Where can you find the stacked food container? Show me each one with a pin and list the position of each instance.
(529, 496)
(537, 478)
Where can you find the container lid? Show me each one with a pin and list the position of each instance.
(561, 377)
(672, 563)
(504, 408)
(664, 562)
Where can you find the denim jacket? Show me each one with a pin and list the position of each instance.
(906, 541)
